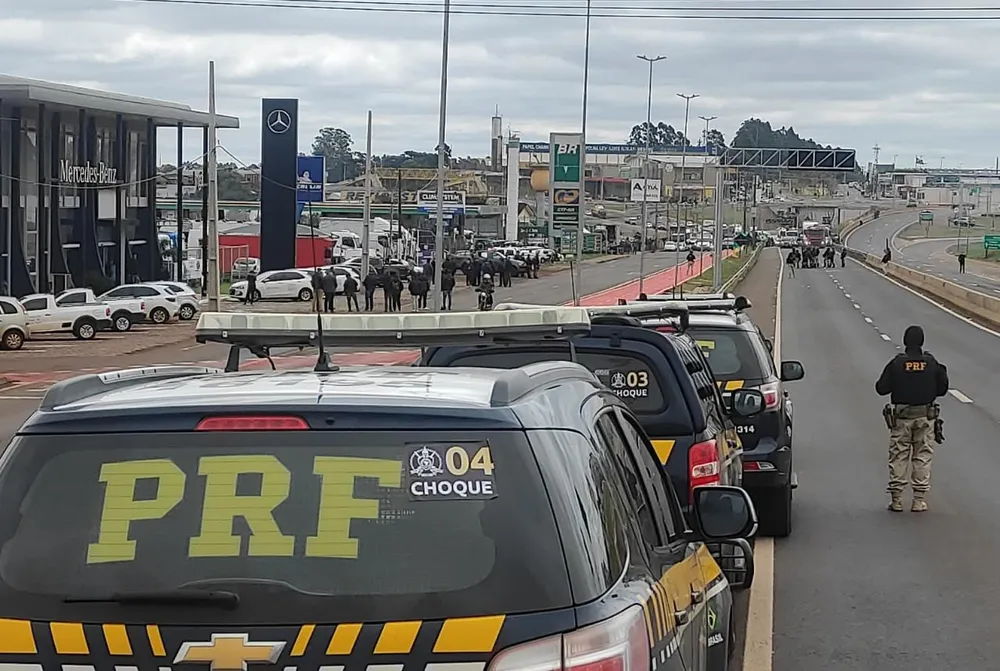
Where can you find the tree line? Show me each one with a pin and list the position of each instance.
(752, 134)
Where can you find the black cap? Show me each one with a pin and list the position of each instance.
(913, 337)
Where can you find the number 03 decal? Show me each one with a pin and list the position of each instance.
(637, 378)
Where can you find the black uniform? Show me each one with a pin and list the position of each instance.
(913, 380)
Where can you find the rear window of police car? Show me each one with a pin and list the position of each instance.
(391, 525)
(731, 353)
(629, 376)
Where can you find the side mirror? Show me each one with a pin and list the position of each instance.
(723, 513)
(747, 403)
(791, 371)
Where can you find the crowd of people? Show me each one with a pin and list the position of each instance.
(809, 257)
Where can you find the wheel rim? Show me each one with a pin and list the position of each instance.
(87, 331)
(122, 324)
(12, 340)
(187, 312)
(158, 316)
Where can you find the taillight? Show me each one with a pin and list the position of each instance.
(772, 395)
(252, 423)
(703, 465)
(666, 329)
(617, 644)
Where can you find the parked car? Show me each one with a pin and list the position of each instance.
(188, 303)
(124, 311)
(83, 321)
(13, 324)
(161, 305)
(277, 284)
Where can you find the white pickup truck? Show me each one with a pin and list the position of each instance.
(124, 311)
(83, 320)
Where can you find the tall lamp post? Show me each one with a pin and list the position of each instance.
(645, 165)
(442, 117)
(577, 272)
(680, 196)
(708, 120)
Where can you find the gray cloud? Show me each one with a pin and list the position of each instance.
(915, 88)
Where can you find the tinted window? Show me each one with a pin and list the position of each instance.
(72, 298)
(120, 292)
(7, 309)
(635, 492)
(145, 291)
(35, 304)
(730, 352)
(660, 489)
(374, 522)
(629, 376)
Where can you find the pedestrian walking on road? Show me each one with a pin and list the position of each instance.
(913, 381)
(961, 263)
(843, 256)
(790, 261)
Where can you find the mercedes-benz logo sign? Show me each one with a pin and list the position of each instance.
(279, 121)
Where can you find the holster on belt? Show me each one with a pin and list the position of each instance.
(934, 414)
(889, 414)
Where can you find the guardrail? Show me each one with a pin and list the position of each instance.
(741, 274)
(966, 301)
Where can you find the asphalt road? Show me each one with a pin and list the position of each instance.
(858, 587)
(926, 256)
(18, 402)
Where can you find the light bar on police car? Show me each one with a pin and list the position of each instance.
(639, 309)
(737, 303)
(726, 295)
(429, 328)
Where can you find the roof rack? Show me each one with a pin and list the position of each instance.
(259, 332)
(84, 386)
(704, 302)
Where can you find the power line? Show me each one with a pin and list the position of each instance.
(867, 14)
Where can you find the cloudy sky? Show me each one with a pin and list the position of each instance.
(927, 87)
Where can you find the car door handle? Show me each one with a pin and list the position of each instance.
(681, 617)
(697, 596)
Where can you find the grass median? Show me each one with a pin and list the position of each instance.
(730, 266)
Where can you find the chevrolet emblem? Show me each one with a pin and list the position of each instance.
(229, 652)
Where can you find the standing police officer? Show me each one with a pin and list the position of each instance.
(913, 380)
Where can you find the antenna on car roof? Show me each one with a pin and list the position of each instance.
(323, 358)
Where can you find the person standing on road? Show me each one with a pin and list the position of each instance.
(351, 292)
(447, 286)
(251, 288)
(329, 284)
(317, 288)
(961, 263)
(371, 283)
(790, 261)
(913, 380)
(843, 256)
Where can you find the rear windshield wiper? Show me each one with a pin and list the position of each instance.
(179, 597)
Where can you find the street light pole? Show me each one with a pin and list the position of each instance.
(645, 166)
(442, 116)
(680, 196)
(708, 120)
(578, 270)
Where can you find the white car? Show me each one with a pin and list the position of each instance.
(13, 323)
(161, 305)
(187, 299)
(670, 246)
(277, 284)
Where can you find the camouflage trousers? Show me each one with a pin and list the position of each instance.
(911, 450)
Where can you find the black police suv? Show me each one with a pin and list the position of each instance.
(665, 381)
(497, 520)
(740, 358)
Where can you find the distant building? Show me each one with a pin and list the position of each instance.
(79, 184)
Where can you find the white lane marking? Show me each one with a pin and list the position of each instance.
(885, 337)
(759, 643)
(962, 398)
(20, 398)
(857, 307)
(928, 299)
(868, 319)
(847, 295)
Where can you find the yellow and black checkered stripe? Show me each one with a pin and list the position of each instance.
(455, 635)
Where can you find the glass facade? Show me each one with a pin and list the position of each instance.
(78, 202)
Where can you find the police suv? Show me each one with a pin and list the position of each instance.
(665, 381)
(417, 518)
(740, 357)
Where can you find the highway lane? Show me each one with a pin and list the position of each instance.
(927, 257)
(857, 587)
(931, 255)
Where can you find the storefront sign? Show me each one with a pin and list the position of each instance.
(87, 173)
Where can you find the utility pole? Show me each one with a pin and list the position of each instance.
(680, 196)
(442, 117)
(645, 168)
(577, 269)
(876, 149)
(213, 197)
(704, 184)
(366, 231)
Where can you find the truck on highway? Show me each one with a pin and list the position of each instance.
(83, 320)
(815, 234)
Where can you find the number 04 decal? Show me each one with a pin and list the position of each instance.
(451, 472)
(459, 464)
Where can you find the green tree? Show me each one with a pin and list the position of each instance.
(232, 186)
(342, 162)
(660, 135)
(716, 139)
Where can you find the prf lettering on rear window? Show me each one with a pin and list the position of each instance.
(915, 366)
(221, 505)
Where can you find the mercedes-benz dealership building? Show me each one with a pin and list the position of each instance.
(78, 173)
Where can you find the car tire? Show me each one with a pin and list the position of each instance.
(186, 313)
(12, 340)
(159, 316)
(85, 329)
(256, 295)
(121, 322)
(305, 295)
(775, 512)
